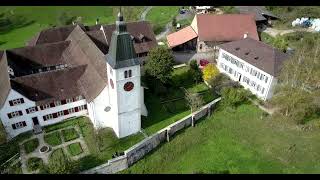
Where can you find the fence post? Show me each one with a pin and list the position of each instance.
(209, 111)
(168, 135)
(192, 120)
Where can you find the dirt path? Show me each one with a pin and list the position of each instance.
(274, 32)
(145, 12)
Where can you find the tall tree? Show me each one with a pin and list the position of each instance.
(160, 64)
(195, 71)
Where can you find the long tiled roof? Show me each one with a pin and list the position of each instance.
(258, 54)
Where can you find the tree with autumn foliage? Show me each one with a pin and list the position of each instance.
(210, 71)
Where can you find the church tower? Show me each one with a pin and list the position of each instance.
(124, 82)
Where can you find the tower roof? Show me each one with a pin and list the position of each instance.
(121, 52)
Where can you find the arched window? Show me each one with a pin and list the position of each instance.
(125, 74)
(130, 73)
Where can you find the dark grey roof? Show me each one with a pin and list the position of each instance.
(259, 11)
(121, 52)
(258, 54)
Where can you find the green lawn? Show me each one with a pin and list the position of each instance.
(161, 114)
(159, 16)
(41, 17)
(3, 133)
(69, 134)
(236, 141)
(53, 139)
(75, 149)
(34, 163)
(31, 145)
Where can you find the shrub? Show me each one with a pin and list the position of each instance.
(60, 164)
(53, 139)
(210, 71)
(31, 145)
(195, 71)
(234, 96)
(65, 18)
(69, 134)
(34, 164)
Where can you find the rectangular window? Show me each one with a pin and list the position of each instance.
(130, 73)
(71, 110)
(125, 74)
(57, 103)
(47, 117)
(31, 110)
(60, 113)
(69, 100)
(15, 102)
(63, 102)
(19, 125)
(266, 80)
(45, 106)
(14, 114)
(262, 91)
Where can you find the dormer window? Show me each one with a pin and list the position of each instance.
(237, 49)
(256, 58)
(247, 53)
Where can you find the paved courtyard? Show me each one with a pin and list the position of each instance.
(45, 156)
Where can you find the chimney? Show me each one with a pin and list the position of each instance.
(245, 35)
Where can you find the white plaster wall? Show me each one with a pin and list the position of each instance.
(130, 123)
(247, 74)
(194, 24)
(144, 111)
(28, 117)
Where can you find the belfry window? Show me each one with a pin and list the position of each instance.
(130, 73)
(125, 74)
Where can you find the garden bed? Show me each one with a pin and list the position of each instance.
(69, 134)
(31, 145)
(53, 139)
(34, 163)
(75, 149)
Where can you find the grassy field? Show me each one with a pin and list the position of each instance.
(41, 17)
(159, 16)
(236, 141)
(162, 114)
(75, 149)
(69, 134)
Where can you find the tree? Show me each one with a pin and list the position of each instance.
(195, 71)
(60, 164)
(174, 22)
(160, 64)
(194, 101)
(233, 96)
(65, 18)
(210, 71)
(298, 86)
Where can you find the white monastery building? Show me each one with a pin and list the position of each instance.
(254, 64)
(57, 78)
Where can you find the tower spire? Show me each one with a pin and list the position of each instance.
(121, 50)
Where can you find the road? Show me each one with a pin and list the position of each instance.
(145, 12)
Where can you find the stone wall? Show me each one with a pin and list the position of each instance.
(142, 148)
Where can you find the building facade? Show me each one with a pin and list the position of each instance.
(253, 64)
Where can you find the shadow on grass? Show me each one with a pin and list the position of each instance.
(11, 22)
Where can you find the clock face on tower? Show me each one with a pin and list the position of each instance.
(128, 86)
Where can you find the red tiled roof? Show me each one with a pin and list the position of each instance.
(184, 35)
(226, 27)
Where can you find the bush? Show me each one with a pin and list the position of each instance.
(210, 71)
(234, 96)
(69, 134)
(53, 139)
(31, 145)
(195, 71)
(65, 18)
(60, 164)
(34, 164)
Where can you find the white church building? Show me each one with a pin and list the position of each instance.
(254, 64)
(48, 83)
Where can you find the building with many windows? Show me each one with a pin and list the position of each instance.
(46, 83)
(254, 64)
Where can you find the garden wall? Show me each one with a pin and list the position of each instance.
(142, 148)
